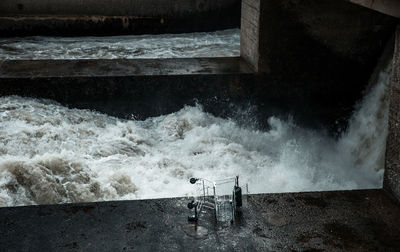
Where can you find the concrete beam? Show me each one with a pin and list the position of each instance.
(392, 162)
(126, 87)
(389, 7)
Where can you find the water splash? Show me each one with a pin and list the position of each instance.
(202, 44)
(52, 154)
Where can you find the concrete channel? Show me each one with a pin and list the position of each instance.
(309, 58)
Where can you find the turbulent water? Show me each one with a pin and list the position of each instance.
(211, 44)
(52, 154)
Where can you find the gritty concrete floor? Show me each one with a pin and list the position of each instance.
(366, 220)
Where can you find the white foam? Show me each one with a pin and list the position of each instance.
(52, 154)
(201, 44)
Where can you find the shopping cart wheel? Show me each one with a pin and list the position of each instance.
(191, 204)
(192, 218)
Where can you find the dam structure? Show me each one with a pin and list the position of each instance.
(107, 110)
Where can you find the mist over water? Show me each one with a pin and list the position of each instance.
(201, 44)
(53, 154)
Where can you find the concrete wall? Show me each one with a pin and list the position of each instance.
(389, 7)
(250, 32)
(104, 17)
(139, 8)
(294, 35)
(325, 52)
(392, 164)
(314, 52)
(137, 87)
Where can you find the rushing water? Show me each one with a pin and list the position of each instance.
(211, 44)
(52, 154)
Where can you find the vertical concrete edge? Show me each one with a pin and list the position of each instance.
(249, 33)
(391, 181)
(388, 7)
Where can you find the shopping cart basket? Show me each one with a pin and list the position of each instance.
(223, 196)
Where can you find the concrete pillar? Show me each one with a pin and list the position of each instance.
(308, 52)
(250, 29)
(392, 162)
(288, 38)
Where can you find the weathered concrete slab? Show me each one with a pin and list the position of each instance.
(366, 220)
(121, 67)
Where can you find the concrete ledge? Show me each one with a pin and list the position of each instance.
(366, 220)
(121, 67)
(126, 88)
(147, 87)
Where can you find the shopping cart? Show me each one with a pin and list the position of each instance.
(223, 196)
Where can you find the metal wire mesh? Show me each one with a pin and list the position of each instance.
(224, 199)
(216, 195)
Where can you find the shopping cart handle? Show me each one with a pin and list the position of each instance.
(193, 180)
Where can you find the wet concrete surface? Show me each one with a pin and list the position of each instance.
(121, 67)
(365, 220)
